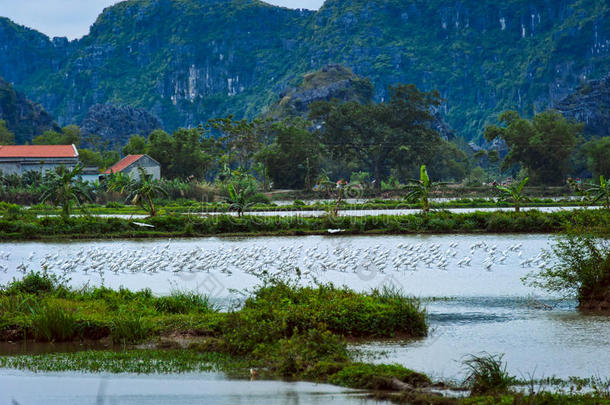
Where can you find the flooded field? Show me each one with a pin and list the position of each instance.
(471, 286)
(16, 387)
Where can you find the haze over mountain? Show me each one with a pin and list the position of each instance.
(189, 60)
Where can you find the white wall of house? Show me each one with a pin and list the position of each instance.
(149, 165)
(20, 166)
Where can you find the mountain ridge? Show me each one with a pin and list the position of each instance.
(186, 61)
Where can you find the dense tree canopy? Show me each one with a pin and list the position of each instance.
(542, 145)
(69, 135)
(597, 152)
(397, 134)
(295, 156)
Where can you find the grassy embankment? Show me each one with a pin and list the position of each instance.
(30, 227)
(281, 330)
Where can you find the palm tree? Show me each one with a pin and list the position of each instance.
(62, 188)
(599, 192)
(140, 192)
(514, 193)
(420, 189)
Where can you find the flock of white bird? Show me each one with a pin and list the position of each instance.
(260, 260)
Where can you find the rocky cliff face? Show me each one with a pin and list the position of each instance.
(190, 60)
(590, 104)
(116, 124)
(332, 82)
(24, 118)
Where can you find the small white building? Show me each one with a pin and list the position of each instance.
(19, 159)
(130, 163)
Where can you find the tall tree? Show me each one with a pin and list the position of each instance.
(135, 146)
(381, 135)
(294, 157)
(543, 144)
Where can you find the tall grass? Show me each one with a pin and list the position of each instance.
(487, 374)
(53, 323)
(128, 328)
(182, 302)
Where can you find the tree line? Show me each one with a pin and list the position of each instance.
(378, 143)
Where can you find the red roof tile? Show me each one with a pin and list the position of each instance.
(123, 164)
(38, 151)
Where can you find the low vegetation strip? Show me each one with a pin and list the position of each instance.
(193, 225)
(40, 307)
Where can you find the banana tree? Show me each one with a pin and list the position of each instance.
(140, 192)
(419, 190)
(63, 188)
(514, 193)
(241, 191)
(599, 192)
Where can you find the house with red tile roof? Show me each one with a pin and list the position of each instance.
(18, 159)
(130, 163)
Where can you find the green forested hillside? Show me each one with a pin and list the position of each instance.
(189, 60)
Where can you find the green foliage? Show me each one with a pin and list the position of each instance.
(69, 135)
(514, 193)
(53, 323)
(136, 145)
(376, 377)
(542, 145)
(129, 328)
(487, 375)
(6, 136)
(241, 190)
(442, 221)
(280, 310)
(581, 266)
(597, 152)
(294, 158)
(140, 191)
(420, 189)
(599, 192)
(126, 361)
(182, 302)
(379, 136)
(63, 188)
(93, 158)
(34, 283)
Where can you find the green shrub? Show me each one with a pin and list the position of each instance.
(279, 310)
(581, 265)
(376, 377)
(295, 355)
(34, 283)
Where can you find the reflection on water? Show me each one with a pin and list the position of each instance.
(26, 347)
(202, 388)
(556, 342)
